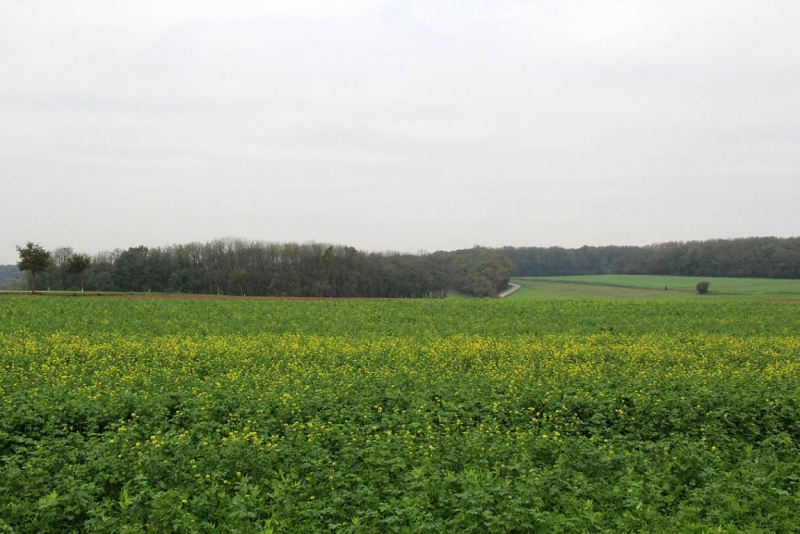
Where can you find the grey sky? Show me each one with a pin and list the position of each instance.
(397, 125)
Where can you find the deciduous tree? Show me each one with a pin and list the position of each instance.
(77, 264)
(34, 259)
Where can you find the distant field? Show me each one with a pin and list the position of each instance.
(652, 287)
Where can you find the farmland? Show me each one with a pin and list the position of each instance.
(624, 286)
(147, 415)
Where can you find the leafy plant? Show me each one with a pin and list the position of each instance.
(390, 416)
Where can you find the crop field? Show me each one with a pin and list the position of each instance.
(628, 286)
(265, 416)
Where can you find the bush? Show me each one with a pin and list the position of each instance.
(702, 287)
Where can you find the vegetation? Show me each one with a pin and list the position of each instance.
(480, 272)
(34, 259)
(9, 276)
(756, 257)
(623, 286)
(77, 264)
(153, 415)
(241, 267)
(702, 287)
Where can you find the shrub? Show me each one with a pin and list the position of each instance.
(702, 287)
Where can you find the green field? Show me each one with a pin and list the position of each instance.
(652, 287)
(171, 415)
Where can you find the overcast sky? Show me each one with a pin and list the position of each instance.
(401, 125)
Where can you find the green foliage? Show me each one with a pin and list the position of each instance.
(702, 287)
(752, 257)
(639, 286)
(480, 272)
(145, 415)
(255, 268)
(77, 264)
(34, 259)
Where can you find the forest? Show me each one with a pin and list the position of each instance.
(256, 268)
(752, 257)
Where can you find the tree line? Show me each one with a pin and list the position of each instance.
(243, 267)
(753, 257)
(257, 268)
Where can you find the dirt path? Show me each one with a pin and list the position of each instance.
(510, 290)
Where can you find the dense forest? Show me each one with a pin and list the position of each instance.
(256, 268)
(754, 257)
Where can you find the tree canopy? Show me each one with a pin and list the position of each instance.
(257, 268)
(752, 257)
(77, 264)
(34, 259)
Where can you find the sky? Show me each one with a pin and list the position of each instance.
(397, 125)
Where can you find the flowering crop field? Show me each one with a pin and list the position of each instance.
(147, 415)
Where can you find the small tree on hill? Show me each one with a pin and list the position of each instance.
(77, 264)
(702, 288)
(34, 259)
